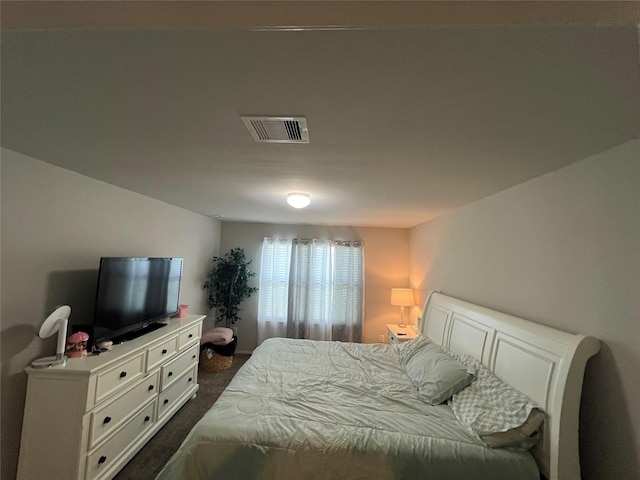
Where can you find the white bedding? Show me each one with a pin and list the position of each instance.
(300, 409)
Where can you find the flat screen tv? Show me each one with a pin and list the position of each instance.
(133, 295)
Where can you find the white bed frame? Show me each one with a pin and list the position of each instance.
(544, 363)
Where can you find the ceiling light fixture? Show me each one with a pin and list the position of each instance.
(298, 199)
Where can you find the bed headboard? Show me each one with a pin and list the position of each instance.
(544, 363)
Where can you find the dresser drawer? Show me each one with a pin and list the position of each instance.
(108, 418)
(159, 353)
(105, 457)
(174, 368)
(189, 336)
(119, 376)
(177, 389)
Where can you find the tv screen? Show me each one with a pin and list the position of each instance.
(133, 294)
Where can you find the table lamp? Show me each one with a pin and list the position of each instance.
(402, 297)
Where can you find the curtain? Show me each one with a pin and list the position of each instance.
(273, 288)
(312, 289)
(348, 292)
(310, 295)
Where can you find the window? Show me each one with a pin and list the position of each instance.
(311, 289)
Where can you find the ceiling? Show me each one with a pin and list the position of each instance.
(413, 109)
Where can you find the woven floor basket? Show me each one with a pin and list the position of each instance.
(211, 361)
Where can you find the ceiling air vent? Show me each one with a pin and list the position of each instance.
(277, 129)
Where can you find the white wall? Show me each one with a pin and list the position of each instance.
(563, 250)
(386, 266)
(56, 225)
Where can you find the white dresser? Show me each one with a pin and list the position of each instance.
(86, 420)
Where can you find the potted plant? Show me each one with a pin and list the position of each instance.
(228, 285)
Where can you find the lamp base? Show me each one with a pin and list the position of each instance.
(401, 324)
(47, 362)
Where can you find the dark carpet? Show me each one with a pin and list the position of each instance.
(155, 454)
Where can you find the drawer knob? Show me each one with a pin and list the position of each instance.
(147, 418)
(193, 357)
(106, 420)
(191, 335)
(102, 459)
(190, 379)
(123, 374)
(164, 350)
(166, 400)
(170, 374)
(150, 387)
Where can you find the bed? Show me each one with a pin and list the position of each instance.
(306, 409)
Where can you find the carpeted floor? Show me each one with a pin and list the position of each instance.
(153, 456)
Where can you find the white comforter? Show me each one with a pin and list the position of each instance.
(300, 409)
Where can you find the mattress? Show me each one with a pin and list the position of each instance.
(324, 410)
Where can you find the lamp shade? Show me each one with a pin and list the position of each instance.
(402, 297)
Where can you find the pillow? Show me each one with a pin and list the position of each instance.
(435, 374)
(496, 412)
(406, 349)
(217, 336)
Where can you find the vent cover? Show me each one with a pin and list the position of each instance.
(277, 129)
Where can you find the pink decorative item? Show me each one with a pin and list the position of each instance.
(77, 345)
(182, 311)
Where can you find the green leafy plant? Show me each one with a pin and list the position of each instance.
(228, 285)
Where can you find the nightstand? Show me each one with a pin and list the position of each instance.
(398, 334)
